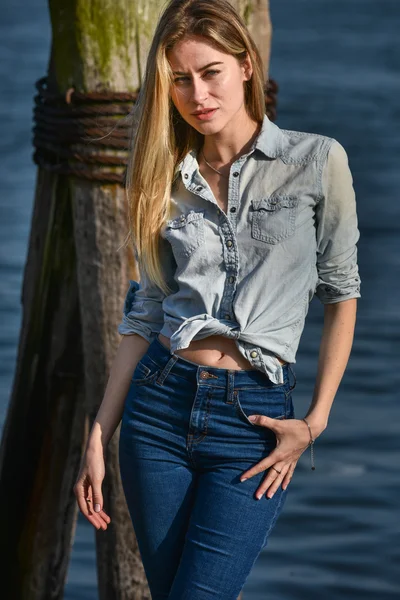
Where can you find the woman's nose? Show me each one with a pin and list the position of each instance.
(199, 91)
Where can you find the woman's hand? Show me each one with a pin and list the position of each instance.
(292, 439)
(87, 488)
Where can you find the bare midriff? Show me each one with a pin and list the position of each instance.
(213, 351)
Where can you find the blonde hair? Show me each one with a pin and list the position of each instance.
(160, 136)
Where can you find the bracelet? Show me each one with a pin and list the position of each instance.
(311, 444)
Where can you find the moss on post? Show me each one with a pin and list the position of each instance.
(102, 43)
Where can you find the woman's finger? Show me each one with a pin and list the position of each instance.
(104, 516)
(99, 516)
(97, 501)
(97, 496)
(272, 458)
(289, 474)
(94, 516)
(272, 480)
(83, 493)
(264, 421)
(83, 506)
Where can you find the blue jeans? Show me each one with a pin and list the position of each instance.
(185, 439)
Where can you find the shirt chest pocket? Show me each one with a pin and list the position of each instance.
(185, 233)
(273, 218)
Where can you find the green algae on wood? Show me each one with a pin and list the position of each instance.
(113, 36)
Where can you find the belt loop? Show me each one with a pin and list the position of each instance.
(230, 373)
(166, 369)
(294, 375)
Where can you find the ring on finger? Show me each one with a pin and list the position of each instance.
(277, 470)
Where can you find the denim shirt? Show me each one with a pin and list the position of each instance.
(289, 232)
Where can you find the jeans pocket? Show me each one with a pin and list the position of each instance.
(274, 218)
(185, 233)
(290, 414)
(146, 371)
(261, 401)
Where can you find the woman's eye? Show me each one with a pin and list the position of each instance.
(211, 72)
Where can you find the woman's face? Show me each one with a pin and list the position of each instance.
(206, 78)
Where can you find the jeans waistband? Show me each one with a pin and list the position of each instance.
(167, 361)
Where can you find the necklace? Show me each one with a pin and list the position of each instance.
(211, 167)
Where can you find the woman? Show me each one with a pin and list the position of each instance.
(236, 224)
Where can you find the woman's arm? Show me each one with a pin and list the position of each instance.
(292, 435)
(338, 287)
(131, 349)
(87, 488)
(334, 353)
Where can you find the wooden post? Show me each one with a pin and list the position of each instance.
(45, 425)
(74, 284)
(97, 47)
(256, 15)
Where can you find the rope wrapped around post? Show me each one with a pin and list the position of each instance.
(87, 135)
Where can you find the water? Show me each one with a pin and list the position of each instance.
(337, 65)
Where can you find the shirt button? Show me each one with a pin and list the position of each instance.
(199, 188)
(186, 175)
(227, 316)
(233, 209)
(231, 279)
(229, 243)
(253, 354)
(218, 211)
(236, 174)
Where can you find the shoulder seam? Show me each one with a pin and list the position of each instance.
(326, 146)
(316, 156)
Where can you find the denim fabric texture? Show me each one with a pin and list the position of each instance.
(289, 233)
(185, 440)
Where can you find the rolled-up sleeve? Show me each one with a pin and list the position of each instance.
(143, 311)
(337, 231)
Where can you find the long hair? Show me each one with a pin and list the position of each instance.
(160, 137)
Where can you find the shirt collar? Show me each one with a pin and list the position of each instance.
(269, 141)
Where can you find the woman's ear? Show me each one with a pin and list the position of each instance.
(247, 68)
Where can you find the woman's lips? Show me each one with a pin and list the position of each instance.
(205, 116)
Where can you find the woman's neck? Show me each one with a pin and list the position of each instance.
(234, 140)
